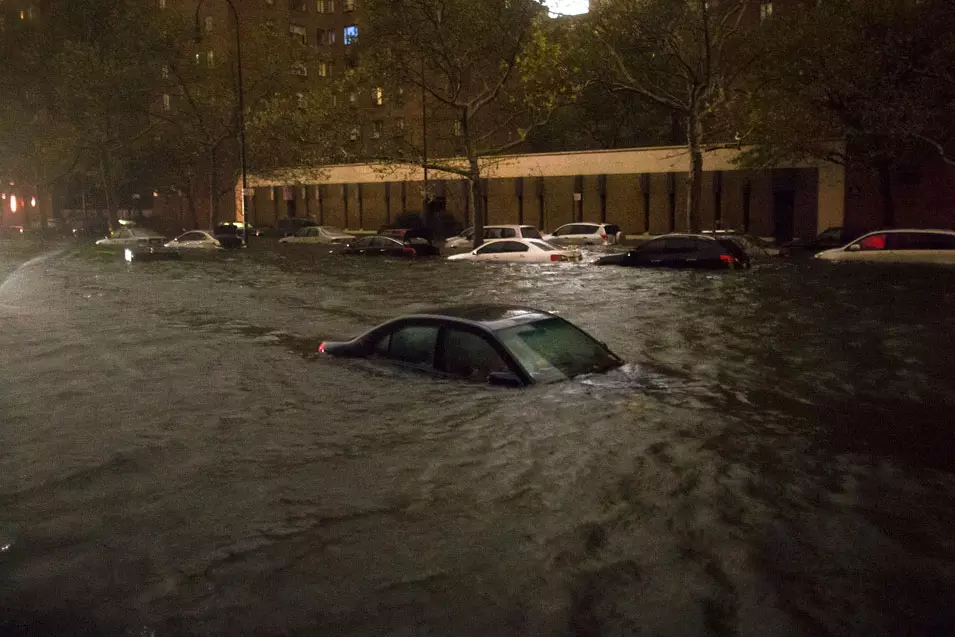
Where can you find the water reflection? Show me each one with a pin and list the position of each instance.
(777, 453)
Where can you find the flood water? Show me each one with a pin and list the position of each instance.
(776, 459)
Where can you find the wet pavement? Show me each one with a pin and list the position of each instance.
(777, 458)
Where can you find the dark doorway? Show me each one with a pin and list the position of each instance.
(784, 206)
(290, 208)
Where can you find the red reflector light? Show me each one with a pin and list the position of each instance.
(321, 348)
(603, 236)
(725, 258)
(558, 257)
(410, 251)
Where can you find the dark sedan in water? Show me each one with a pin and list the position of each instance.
(682, 251)
(379, 246)
(499, 344)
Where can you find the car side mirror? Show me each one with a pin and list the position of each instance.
(505, 379)
(855, 247)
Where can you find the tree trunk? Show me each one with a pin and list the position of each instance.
(888, 197)
(694, 138)
(192, 208)
(476, 195)
(212, 188)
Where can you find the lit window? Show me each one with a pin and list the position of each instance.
(377, 96)
(300, 99)
(324, 69)
(352, 97)
(209, 23)
(162, 4)
(166, 102)
(298, 33)
(300, 69)
(355, 134)
(349, 5)
(376, 127)
(325, 6)
(210, 58)
(765, 10)
(270, 2)
(351, 34)
(165, 72)
(458, 129)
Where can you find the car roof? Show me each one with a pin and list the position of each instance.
(685, 235)
(488, 316)
(901, 230)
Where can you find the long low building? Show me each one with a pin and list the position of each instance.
(640, 190)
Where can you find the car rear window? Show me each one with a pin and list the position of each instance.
(611, 229)
(546, 247)
(530, 232)
(553, 349)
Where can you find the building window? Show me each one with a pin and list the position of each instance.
(164, 72)
(298, 33)
(458, 129)
(166, 102)
(162, 4)
(376, 127)
(298, 5)
(349, 5)
(326, 37)
(300, 100)
(352, 97)
(270, 2)
(209, 23)
(399, 125)
(210, 58)
(355, 134)
(300, 69)
(377, 96)
(325, 6)
(351, 34)
(765, 10)
(324, 69)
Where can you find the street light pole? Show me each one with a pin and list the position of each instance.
(241, 101)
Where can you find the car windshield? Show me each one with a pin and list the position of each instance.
(552, 349)
(332, 230)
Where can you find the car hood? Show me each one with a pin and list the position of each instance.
(612, 259)
(828, 254)
(460, 257)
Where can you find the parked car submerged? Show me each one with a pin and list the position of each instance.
(195, 240)
(898, 246)
(682, 251)
(466, 238)
(413, 246)
(826, 240)
(502, 345)
(584, 234)
(318, 234)
(127, 237)
(519, 251)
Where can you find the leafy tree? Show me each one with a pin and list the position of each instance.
(481, 68)
(875, 74)
(687, 57)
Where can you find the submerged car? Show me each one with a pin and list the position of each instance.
(392, 247)
(518, 251)
(466, 238)
(898, 246)
(682, 251)
(195, 240)
(590, 234)
(128, 237)
(498, 344)
(826, 240)
(318, 234)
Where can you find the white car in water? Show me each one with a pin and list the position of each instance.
(518, 251)
(583, 233)
(318, 234)
(130, 237)
(466, 238)
(897, 246)
(195, 239)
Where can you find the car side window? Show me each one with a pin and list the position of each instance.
(872, 242)
(530, 232)
(414, 345)
(586, 229)
(561, 231)
(470, 355)
(512, 246)
(490, 248)
(920, 241)
(508, 233)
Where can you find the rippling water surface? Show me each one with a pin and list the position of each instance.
(777, 458)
